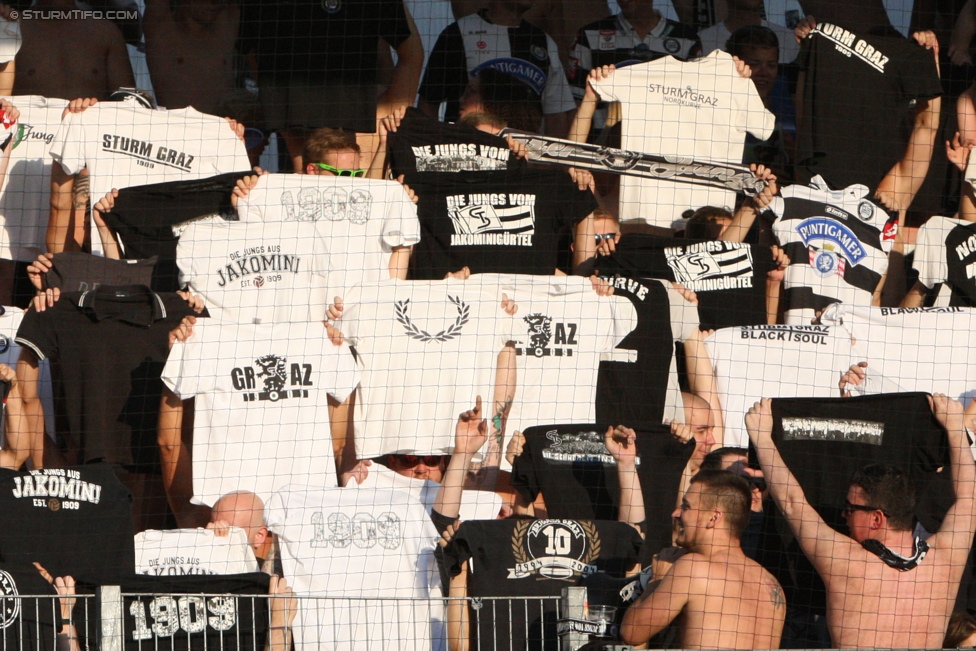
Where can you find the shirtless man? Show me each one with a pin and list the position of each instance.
(885, 587)
(727, 600)
(190, 51)
(70, 57)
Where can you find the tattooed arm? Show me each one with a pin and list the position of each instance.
(484, 474)
(79, 206)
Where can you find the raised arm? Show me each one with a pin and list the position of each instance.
(470, 434)
(484, 475)
(621, 443)
(899, 187)
(701, 379)
(818, 541)
(579, 130)
(956, 533)
(746, 215)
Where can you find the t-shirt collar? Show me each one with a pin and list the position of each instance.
(628, 29)
(135, 304)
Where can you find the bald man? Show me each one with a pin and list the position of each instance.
(243, 509)
(701, 423)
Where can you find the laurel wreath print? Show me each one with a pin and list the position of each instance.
(518, 536)
(521, 554)
(593, 549)
(464, 313)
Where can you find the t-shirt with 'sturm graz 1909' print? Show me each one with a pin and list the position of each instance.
(423, 144)
(507, 221)
(838, 243)
(695, 111)
(123, 144)
(770, 361)
(858, 95)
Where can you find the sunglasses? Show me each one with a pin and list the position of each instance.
(600, 237)
(850, 508)
(338, 172)
(412, 460)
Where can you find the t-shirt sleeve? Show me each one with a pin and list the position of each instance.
(402, 227)
(684, 315)
(930, 255)
(185, 256)
(68, 146)
(524, 480)
(394, 27)
(557, 96)
(804, 58)
(275, 513)
(181, 374)
(37, 333)
(919, 75)
(970, 174)
(574, 204)
(348, 323)
(459, 550)
(614, 88)
(752, 113)
(342, 377)
(624, 320)
(440, 521)
(446, 75)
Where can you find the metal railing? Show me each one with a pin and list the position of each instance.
(111, 620)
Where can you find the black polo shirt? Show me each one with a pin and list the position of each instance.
(112, 343)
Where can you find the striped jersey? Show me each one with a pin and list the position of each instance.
(471, 44)
(837, 242)
(613, 40)
(945, 258)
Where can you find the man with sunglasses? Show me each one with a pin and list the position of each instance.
(332, 152)
(335, 152)
(885, 586)
(426, 466)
